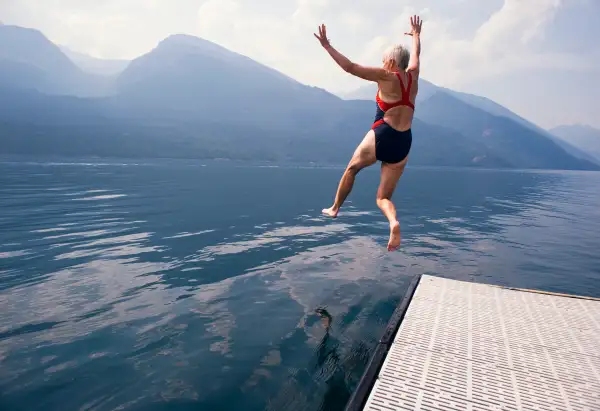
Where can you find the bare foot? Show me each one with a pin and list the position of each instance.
(394, 242)
(331, 212)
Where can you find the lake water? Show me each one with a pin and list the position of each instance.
(159, 285)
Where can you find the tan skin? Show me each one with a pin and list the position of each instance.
(399, 118)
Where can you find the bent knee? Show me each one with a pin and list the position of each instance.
(355, 167)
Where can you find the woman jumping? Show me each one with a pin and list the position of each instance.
(390, 137)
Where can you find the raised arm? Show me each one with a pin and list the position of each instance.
(415, 24)
(367, 73)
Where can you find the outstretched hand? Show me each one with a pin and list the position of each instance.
(322, 36)
(415, 25)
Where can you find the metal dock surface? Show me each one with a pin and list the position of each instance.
(469, 346)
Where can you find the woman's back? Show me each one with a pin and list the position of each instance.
(396, 98)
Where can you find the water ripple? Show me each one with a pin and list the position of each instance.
(147, 284)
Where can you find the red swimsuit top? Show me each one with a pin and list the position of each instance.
(404, 101)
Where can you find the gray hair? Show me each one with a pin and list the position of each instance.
(399, 54)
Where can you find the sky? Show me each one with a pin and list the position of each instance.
(539, 58)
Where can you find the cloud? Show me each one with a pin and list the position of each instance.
(281, 40)
(353, 20)
(517, 22)
(504, 41)
(501, 43)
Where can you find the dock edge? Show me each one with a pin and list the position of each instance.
(359, 398)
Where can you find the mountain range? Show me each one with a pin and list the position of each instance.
(190, 98)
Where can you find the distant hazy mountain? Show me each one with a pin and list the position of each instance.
(191, 76)
(583, 137)
(194, 99)
(498, 110)
(89, 64)
(504, 138)
(29, 60)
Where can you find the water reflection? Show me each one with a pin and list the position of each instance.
(161, 292)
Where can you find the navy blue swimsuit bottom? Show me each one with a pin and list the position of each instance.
(391, 146)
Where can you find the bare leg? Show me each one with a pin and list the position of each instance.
(390, 174)
(364, 156)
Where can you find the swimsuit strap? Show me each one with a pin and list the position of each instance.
(405, 91)
(404, 101)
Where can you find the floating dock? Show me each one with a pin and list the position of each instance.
(455, 345)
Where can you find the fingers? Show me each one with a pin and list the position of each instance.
(322, 36)
(416, 23)
(322, 30)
